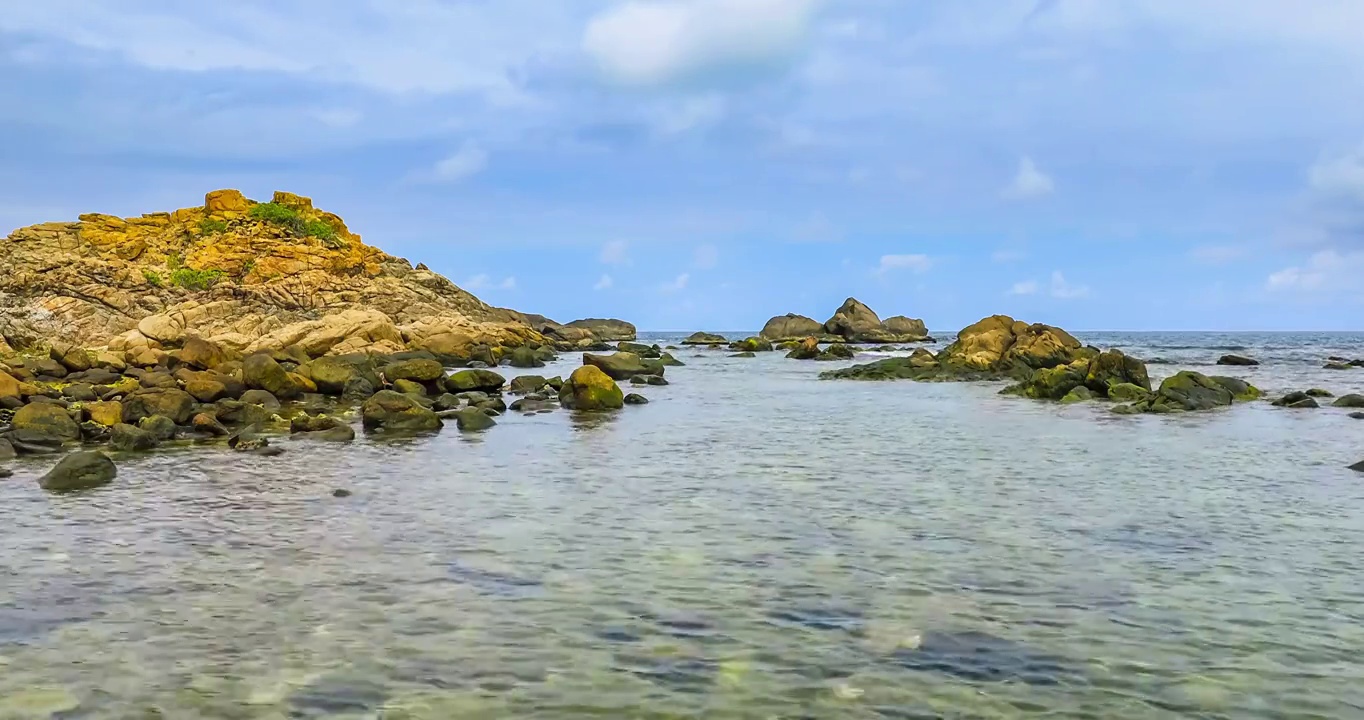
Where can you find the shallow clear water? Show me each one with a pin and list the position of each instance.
(753, 544)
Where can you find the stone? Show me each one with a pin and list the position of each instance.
(668, 360)
(221, 201)
(705, 338)
(1239, 360)
(409, 387)
(590, 389)
(338, 434)
(837, 351)
(205, 389)
(313, 423)
(262, 372)
(636, 399)
(1351, 400)
(416, 370)
(128, 438)
(108, 413)
(1128, 392)
(160, 426)
(605, 329)
(80, 392)
(395, 412)
(752, 344)
(526, 384)
(1113, 367)
(791, 327)
(905, 329)
(1079, 393)
(808, 350)
(1319, 393)
(9, 386)
(1357, 415)
(524, 357)
(79, 471)
(202, 354)
(853, 319)
(744, 355)
(1190, 391)
(334, 373)
(1333, 365)
(623, 365)
(49, 419)
(177, 405)
(475, 380)
(1241, 390)
(7, 451)
(262, 398)
(208, 425)
(1296, 400)
(341, 492)
(72, 358)
(473, 420)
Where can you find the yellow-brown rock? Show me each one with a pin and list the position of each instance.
(242, 278)
(108, 413)
(999, 343)
(9, 386)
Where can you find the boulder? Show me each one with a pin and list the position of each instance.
(10, 387)
(791, 327)
(313, 423)
(837, 351)
(526, 384)
(240, 413)
(474, 380)
(922, 358)
(605, 330)
(1239, 360)
(705, 338)
(79, 471)
(473, 420)
(1053, 383)
(334, 373)
(1349, 401)
(623, 365)
(263, 398)
(7, 451)
(1319, 393)
(1113, 367)
(1080, 393)
(160, 426)
(905, 329)
(202, 354)
(108, 413)
(636, 399)
(177, 405)
(396, 412)
(524, 357)
(1128, 392)
(208, 425)
(72, 358)
(52, 420)
(589, 388)
(667, 360)
(128, 438)
(261, 372)
(338, 434)
(745, 354)
(1190, 391)
(418, 370)
(753, 344)
(205, 389)
(808, 350)
(1297, 400)
(410, 387)
(1001, 345)
(853, 321)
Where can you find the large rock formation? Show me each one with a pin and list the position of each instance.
(246, 275)
(582, 333)
(852, 322)
(997, 347)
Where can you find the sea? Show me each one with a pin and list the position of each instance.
(753, 543)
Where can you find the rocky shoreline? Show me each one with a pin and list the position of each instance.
(239, 321)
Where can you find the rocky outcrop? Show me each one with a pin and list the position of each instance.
(624, 365)
(853, 322)
(1189, 391)
(605, 329)
(582, 333)
(242, 275)
(1240, 360)
(1083, 379)
(995, 348)
(589, 389)
(705, 338)
(791, 327)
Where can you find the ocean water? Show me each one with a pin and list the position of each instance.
(754, 543)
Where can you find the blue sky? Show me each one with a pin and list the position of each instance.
(687, 164)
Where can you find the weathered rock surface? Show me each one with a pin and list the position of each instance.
(80, 471)
(590, 389)
(52, 420)
(852, 322)
(241, 274)
(396, 412)
(791, 327)
(1239, 360)
(624, 365)
(705, 338)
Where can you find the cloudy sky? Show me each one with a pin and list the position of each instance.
(687, 164)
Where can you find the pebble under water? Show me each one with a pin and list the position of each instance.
(754, 543)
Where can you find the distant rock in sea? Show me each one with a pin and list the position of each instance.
(852, 322)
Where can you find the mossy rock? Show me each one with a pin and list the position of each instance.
(421, 370)
(48, 419)
(474, 380)
(1079, 394)
(590, 389)
(524, 357)
(80, 471)
(1241, 390)
(1128, 392)
(393, 411)
(752, 344)
(1190, 391)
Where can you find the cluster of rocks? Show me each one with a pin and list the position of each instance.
(1048, 363)
(853, 322)
(1339, 363)
(203, 392)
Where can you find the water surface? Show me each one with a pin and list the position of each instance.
(752, 544)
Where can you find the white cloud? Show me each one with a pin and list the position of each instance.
(1340, 175)
(1007, 256)
(615, 252)
(677, 284)
(604, 283)
(468, 162)
(1029, 182)
(1027, 287)
(1063, 290)
(705, 257)
(1216, 254)
(650, 42)
(482, 281)
(690, 114)
(917, 264)
(1325, 271)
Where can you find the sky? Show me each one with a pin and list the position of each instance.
(707, 164)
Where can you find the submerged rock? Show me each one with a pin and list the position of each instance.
(1241, 390)
(808, 349)
(396, 412)
(1349, 401)
(705, 338)
(473, 420)
(474, 380)
(636, 399)
(128, 438)
(1296, 400)
(752, 344)
(80, 471)
(1237, 360)
(976, 656)
(1190, 391)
